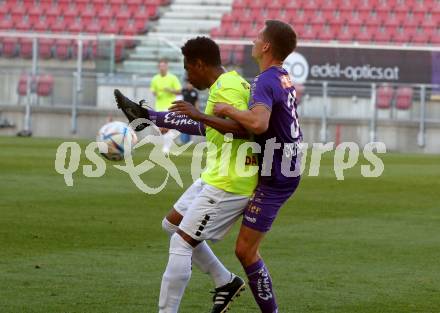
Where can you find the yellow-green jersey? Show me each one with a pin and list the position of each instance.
(221, 169)
(164, 98)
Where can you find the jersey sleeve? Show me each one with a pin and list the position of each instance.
(232, 96)
(261, 94)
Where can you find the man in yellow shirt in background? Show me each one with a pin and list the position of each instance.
(165, 87)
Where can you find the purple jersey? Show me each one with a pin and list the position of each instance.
(273, 89)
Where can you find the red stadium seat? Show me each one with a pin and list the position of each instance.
(257, 4)
(429, 21)
(294, 4)
(62, 48)
(6, 24)
(41, 26)
(355, 19)
(345, 34)
(240, 4)
(226, 54)
(235, 32)
(34, 13)
(69, 14)
(381, 34)
(338, 18)
(326, 34)
(75, 27)
(111, 28)
(123, 14)
(329, 5)
(373, 19)
(318, 18)
(22, 87)
(106, 13)
(238, 55)
(434, 37)
(58, 27)
(404, 97)
(18, 11)
(9, 47)
(383, 6)
(26, 45)
(401, 6)
(217, 32)
(88, 15)
(420, 36)
(400, 36)
(45, 85)
(384, 97)
(392, 20)
(346, 5)
(94, 27)
(23, 25)
(363, 34)
(297, 17)
(366, 5)
(4, 8)
(45, 48)
(82, 4)
(309, 33)
(412, 20)
(99, 5)
(45, 4)
(311, 5)
(252, 32)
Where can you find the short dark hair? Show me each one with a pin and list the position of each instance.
(204, 49)
(163, 60)
(281, 37)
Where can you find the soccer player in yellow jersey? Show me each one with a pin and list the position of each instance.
(210, 206)
(165, 86)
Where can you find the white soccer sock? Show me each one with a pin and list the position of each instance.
(204, 258)
(169, 227)
(176, 276)
(168, 138)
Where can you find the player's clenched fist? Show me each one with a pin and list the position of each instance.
(183, 107)
(220, 109)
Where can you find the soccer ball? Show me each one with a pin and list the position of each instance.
(117, 136)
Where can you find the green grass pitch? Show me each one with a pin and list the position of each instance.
(358, 245)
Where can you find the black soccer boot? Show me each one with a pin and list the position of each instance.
(224, 295)
(131, 110)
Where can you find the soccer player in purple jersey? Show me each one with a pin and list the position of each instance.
(272, 117)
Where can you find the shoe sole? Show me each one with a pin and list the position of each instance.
(236, 295)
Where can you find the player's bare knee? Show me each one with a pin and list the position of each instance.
(242, 252)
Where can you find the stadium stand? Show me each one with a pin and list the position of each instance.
(66, 16)
(366, 21)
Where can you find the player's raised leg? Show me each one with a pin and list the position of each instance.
(169, 120)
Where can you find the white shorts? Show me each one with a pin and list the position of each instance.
(208, 212)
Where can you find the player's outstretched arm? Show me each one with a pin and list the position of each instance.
(255, 120)
(220, 124)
